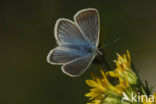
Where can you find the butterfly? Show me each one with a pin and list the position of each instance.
(77, 42)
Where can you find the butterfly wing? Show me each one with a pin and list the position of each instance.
(76, 67)
(67, 33)
(89, 23)
(71, 43)
(76, 42)
(61, 55)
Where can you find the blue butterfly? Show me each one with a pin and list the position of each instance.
(77, 42)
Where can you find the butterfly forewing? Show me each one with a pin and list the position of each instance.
(66, 32)
(89, 24)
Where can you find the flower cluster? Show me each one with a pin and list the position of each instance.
(120, 86)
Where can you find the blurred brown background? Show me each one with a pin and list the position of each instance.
(26, 37)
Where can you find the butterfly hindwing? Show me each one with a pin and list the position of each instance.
(62, 55)
(78, 66)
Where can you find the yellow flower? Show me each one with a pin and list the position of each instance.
(124, 70)
(101, 87)
(112, 86)
(123, 62)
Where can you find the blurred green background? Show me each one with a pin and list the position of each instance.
(27, 35)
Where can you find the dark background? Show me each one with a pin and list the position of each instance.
(27, 35)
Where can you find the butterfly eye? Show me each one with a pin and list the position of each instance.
(89, 50)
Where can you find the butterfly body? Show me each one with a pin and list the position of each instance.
(77, 42)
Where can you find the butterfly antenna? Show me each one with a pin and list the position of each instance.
(107, 44)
